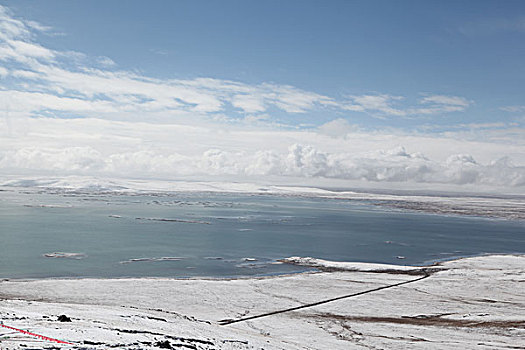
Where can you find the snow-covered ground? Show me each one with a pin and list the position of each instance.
(472, 303)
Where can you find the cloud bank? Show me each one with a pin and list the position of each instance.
(143, 150)
(393, 165)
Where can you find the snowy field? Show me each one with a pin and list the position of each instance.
(472, 303)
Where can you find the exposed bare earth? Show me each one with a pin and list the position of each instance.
(474, 303)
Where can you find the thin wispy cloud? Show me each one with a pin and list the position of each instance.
(387, 105)
(494, 26)
(513, 109)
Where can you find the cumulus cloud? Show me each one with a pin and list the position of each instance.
(381, 166)
(71, 159)
(334, 151)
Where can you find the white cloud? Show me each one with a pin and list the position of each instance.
(26, 74)
(378, 103)
(11, 27)
(446, 100)
(513, 109)
(22, 103)
(71, 159)
(337, 128)
(257, 118)
(27, 49)
(293, 100)
(249, 103)
(106, 61)
(383, 105)
(38, 26)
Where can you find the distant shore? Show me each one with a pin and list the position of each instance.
(465, 303)
(496, 205)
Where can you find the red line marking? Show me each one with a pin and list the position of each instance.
(36, 335)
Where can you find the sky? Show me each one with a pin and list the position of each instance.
(376, 94)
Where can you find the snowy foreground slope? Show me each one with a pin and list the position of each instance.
(474, 303)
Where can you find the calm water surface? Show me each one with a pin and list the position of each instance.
(224, 235)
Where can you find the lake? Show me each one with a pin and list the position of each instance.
(70, 234)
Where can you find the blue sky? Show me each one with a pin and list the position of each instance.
(408, 48)
(405, 70)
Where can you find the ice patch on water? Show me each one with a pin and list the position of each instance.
(63, 255)
(397, 243)
(47, 206)
(252, 265)
(176, 220)
(165, 258)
